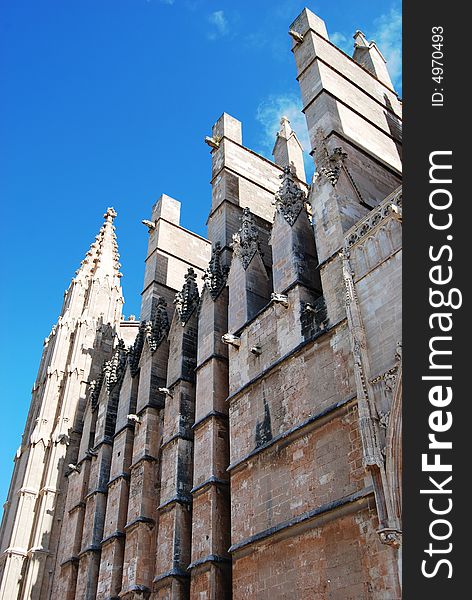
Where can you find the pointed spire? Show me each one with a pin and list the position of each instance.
(102, 258)
(288, 150)
(368, 55)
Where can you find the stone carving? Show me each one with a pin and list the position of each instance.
(375, 217)
(391, 537)
(137, 348)
(157, 328)
(149, 224)
(110, 214)
(114, 368)
(216, 274)
(279, 298)
(389, 378)
(95, 389)
(231, 340)
(154, 331)
(246, 240)
(290, 199)
(368, 419)
(187, 299)
(333, 164)
(328, 164)
(383, 419)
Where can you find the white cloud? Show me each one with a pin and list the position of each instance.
(269, 113)
(388, 37)
(220, 24)
(387, 34)
(341, 41)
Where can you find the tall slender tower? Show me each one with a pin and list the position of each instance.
(81, 340)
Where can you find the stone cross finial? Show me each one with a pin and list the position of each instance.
(290, 199)
(187, 299)
(215, 275)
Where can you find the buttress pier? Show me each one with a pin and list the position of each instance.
(242, 439)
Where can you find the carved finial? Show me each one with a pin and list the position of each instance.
(360, 39)
(215, 275)
(285, 128)
(246, 240)
(95, 389)
(158, 327)
(114, 368)
(290, 199)
(328, 164)
(137, 348)
(110, 214)
(187, 299)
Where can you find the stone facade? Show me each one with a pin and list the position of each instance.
(243, 438)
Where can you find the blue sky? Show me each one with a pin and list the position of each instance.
(106, 103)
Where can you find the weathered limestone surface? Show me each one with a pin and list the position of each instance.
(242, 439)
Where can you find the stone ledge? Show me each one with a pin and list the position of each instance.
(183, 499)
(208, 482)
(176, 436)
(175, 572)
(74, 560)
(88, 549)
(116, 535)
(139, 521)
(158, 405)
(125, 476)
(214, 356)
(96, 491)
(121, 429)
(360, 498)
(285, 357)
(135, 589)
(80, 504)
(212, 414)
(143, 457)
(316, 420)
(211, 558)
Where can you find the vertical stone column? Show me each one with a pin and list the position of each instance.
(113, 542)
(100, 461)
(176, 452)
(248, 281)
(147, 358)
(349, 110)
(211, 565)
(65, 578)
(294, 257)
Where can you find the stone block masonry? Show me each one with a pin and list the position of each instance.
(242, 439)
